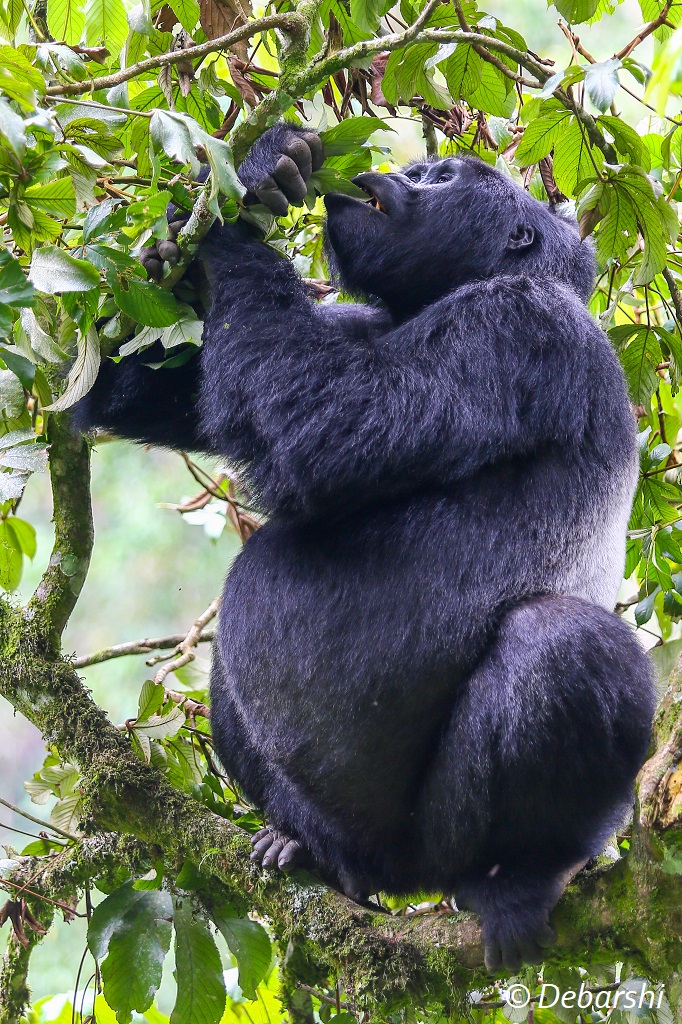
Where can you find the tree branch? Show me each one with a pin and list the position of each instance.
(61, 583)
(290, 22)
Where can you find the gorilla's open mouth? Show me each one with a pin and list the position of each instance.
(374, 200)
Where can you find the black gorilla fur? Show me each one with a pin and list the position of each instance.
(417, 675)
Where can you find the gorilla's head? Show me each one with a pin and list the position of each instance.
(436, 225)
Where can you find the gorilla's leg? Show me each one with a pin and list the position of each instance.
(536, 767)
(299, 837)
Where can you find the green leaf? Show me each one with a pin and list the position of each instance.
(601, 82)
(151, 699)
(53, 271)
(185, 331)
(540, 136)
(19, 79)
(574, 158)
(405, 77)
(15, 289)
(576, 11)
(11, 558)
(22, 367)
(626, 140)
(132, 929)
(199, 972)
(24, 534)
(56, 197)
(186, 11)
(346, 136)
(639, 361)
(66, 20)
(249, 944)
(463, 71)
(171, 134)
(82, 374)
(106, 24)
(492, 93)
(161, 727)
(12, 128)
(148, 304)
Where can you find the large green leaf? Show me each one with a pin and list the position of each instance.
(575, 159)
(15, 289)
(186, 11)
(19, 79)
(540, 136)
(106, 25)
(132, 929)
(198, 970)
(11, 558)
(576, 11)
(82, 374)
(53, 271)
(249, 944)
(66, 20)
(56, 197)
(148, 304)
(346, 136)
(494, 93)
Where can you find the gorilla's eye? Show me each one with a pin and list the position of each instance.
(442, 178)
(415, 175)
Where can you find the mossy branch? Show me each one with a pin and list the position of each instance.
(58, 590)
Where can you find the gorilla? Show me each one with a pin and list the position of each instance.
(417, 674)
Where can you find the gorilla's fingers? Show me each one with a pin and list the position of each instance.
(270, 858)
(301, 155)
(288, 177)
(290, 855)
(152, 263)
(168, 251)
(269, 195)
(260, 834)
(176, 225)
(314, 143)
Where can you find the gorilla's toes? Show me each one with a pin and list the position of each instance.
(275, 849)
(513, 953)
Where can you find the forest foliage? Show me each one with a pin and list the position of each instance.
(107, 111)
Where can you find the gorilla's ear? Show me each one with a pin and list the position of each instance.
(521, 237)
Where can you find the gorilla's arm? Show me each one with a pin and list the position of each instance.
(155, 406)
(323, 420)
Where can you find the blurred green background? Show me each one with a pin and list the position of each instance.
(152, 573)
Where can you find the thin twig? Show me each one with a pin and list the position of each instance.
(186, 647)
(37, 821)
(39, 896)
(146, 646)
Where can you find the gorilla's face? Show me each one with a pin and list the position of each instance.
(433, 226)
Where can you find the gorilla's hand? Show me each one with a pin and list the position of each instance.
(163, 251)
(278, 167)
(276, 173)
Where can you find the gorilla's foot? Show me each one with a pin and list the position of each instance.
(275, 849)
(511, 952)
